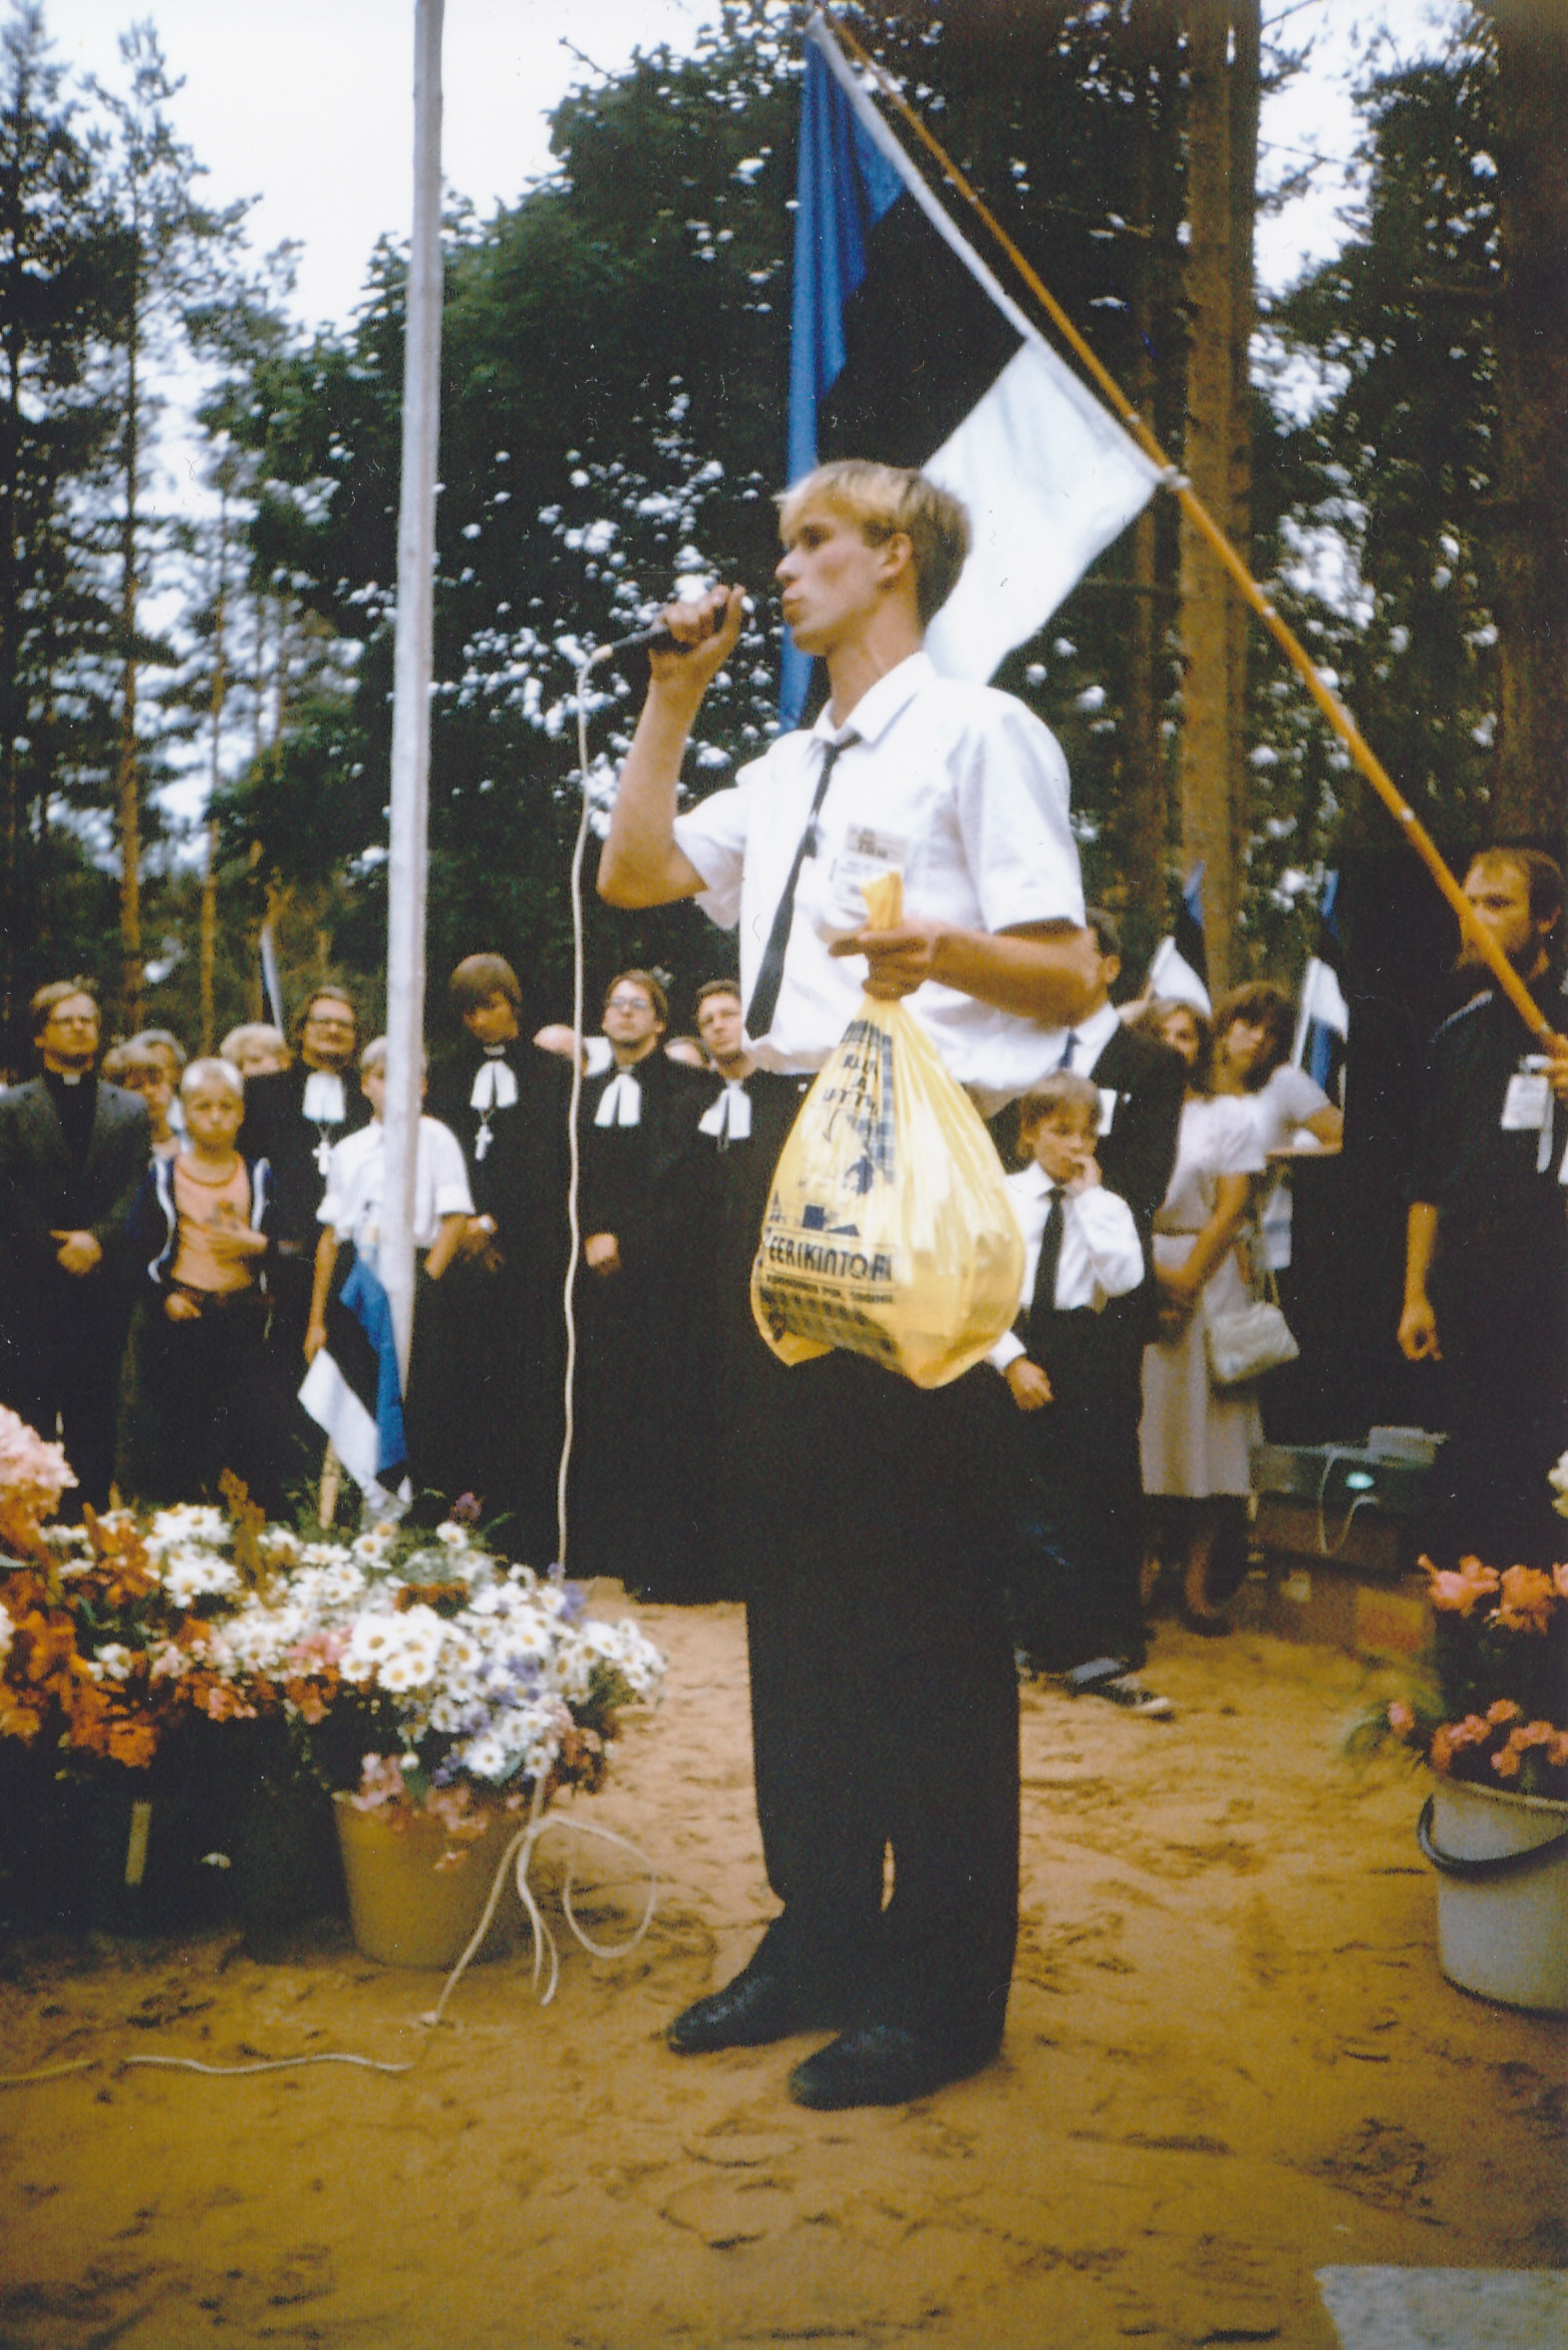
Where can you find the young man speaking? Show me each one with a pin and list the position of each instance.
(884, 1703)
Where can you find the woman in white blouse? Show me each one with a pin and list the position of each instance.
(1252, 1031)
(1194, 1438)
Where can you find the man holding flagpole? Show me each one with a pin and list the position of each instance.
(884, 1689)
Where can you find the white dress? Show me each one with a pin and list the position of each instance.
(1196, 1439)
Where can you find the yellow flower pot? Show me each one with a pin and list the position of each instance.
(412, 1906)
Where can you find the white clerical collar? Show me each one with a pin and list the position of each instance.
(729, 1118)
(620, 1104)
(494, 1086)
(324, 1101)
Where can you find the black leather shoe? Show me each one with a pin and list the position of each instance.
(880, 2064)
(747, 2013)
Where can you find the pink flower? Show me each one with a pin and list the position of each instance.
(1528, 1599)
(1459, 1591)
(1504, 1709)
(1400, 1718)
(1506, 1763)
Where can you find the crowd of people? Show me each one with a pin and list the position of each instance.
(214, 1225)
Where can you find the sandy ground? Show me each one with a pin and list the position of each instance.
(1231, 2060)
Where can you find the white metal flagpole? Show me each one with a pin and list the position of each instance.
(412, 669)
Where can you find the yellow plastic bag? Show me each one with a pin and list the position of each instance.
(890, 1232)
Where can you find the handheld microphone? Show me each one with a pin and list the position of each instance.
(656, 638)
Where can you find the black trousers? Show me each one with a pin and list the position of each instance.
(884, 1703)
(1500, 1293)
(211, 1402)
(60, 1370)
(1078, 1493)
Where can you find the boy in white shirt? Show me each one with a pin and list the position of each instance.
(355, 1178)
(1077, 1465)
(389, 1433)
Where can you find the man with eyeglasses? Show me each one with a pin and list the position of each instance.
(637, 1120)
(73, 1153)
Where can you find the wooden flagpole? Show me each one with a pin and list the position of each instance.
(1214, 538)
(412, 669)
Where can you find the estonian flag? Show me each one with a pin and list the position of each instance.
(1323, 1021)
(352, 1390)
(905, 350)
(1179, 970)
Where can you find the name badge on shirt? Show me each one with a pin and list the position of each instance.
(1109, 1098)
(863, 856)
(1527, 1105)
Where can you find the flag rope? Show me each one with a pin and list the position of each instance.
(1332, 709)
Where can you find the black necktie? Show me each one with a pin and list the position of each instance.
(1044, 1298)
(765, 995)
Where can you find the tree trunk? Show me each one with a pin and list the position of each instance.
(1208, 746)
(1146, 798)
(130, 794)
(1531, 542)
(1245, 93)
(209, 869)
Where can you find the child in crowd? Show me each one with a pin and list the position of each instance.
(341, 1322)
(1077, 1463)
(200, 1357)
(257, 1049)
(142, 1069)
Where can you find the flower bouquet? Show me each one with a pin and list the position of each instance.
(1492, 1725)
(418, 1677)
(1495, 1712)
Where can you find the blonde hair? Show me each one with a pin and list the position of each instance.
(253, 1032)
(1064, 1089)
(212, 1071)
(883, 500)
(374, 1057)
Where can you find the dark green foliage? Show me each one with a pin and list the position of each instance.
(1402, 461)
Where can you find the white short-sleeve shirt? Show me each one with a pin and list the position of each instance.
(355, 1181)
(1284, 1103)
(959, 786)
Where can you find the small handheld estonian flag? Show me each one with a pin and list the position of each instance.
(1323, 1021)
(1179, 970)
(353, 1391)
(904, 349)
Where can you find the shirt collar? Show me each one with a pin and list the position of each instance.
(1094, 1034)
(876, 709)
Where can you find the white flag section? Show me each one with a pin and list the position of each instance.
(1046, 472)
(1172, 977)
(1049, 480)
(1323, 1006)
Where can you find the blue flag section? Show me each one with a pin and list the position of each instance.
(1180, 968)
(1323, 1020)
(906, 349)
(353, 1391)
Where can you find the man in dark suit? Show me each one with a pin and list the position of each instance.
(497, 1369)
(636, 1125)
(292, 1119)
(1141, 1085)
(741, 1129)
(72, 1154)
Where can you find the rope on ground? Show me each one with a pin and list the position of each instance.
(518, 1857)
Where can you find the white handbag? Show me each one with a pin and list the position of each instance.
(1242, 1342)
